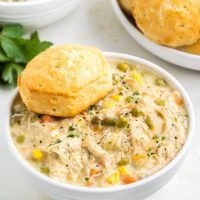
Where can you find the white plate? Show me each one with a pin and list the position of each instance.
(174, 56)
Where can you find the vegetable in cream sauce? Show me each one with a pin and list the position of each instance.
(132, 133)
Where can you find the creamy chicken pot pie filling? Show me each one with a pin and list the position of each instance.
(133, 132)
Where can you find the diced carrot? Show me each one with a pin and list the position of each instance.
(95, 172)
(89, 183)
(127, 179)
(137, 157)
(179, 102)
(101, 162)
(47, 118)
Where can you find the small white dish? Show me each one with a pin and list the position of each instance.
(139, 190)
(35, 14)
(171, 55)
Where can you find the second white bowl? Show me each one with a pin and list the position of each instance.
(171, 55)
(35, 14)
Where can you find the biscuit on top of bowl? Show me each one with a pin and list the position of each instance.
(65, 80)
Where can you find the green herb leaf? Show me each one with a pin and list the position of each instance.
(35, 36)
(12, 50)
(16, 51)
(3, 56)
(31, 48)
(13, 31)
(11, 71)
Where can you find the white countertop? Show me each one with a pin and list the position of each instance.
(94, 23)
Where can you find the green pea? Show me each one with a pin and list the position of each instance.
(122, 67)
(87, 178)
(123, 162)
(129, 99)
(160, 82)
(45, 170)
(149, 123)
(121, 122)
(20, 139)
(108, 121)
(135, 112)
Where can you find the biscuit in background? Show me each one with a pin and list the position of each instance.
(193, 49)
(65, 80)
(126, 5)
(172, 23)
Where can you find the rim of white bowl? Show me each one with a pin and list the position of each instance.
(66, 7)
(121, 16)
(182, 152)
(26, 3)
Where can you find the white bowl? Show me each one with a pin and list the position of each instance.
(174, 56)
(138, 190)
(35, 14)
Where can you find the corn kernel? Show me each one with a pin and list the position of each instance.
(137, 77)
(37, 154)
(123, 170)
(113, 178)
(116, 97)
(107, 104)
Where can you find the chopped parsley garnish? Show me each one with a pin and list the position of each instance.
(71, 128)
(87, 178)
(71, 135)
(163, 138)
(89, 112)
(55, 142)
(136, 93)
(71, 132)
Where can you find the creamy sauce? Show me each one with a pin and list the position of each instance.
(129, 135)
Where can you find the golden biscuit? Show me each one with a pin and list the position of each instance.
(194, 48)
(126, 5)
(65, 80)
(172, 23)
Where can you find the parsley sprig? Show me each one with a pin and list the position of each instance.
(16, 51)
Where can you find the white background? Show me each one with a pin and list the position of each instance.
(94, 23)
